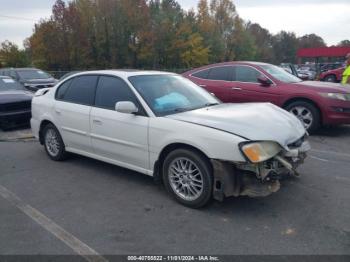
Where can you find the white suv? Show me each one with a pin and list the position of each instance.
(165, 126)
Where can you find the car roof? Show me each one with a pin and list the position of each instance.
(125, 73)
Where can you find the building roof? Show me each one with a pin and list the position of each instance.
(324, 52)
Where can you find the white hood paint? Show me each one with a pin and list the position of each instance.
(254, 121)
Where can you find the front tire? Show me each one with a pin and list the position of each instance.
(187, 176)
(53, 143)
(330, 78)
(307, 113)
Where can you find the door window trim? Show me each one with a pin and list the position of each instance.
(191, 75)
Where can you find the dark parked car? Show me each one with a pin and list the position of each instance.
(314, 103)
(15, 103)
(31, 78)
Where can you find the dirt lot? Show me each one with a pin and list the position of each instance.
(109, 210)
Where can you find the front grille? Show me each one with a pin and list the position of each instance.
(16, 106)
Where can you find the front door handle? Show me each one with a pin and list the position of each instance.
(97, 122)
(203, 85)
(236, 88)
(58, 112)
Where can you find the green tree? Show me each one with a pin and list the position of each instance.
(310, 41)
(285, 45)
(344, 43)
(12, 56)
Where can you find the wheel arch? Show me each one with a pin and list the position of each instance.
(304, 99)
(331, 74)
(43, 124)
(158, 165)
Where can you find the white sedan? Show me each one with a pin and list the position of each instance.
(165, 126)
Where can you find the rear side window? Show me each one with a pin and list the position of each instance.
(111, 90)
(81, 90)
(223, 73)
(202, 74)
(247, 74)
(62, 90)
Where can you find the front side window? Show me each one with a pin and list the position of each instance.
(247, 74)
(280, 74)
(111, 90)
(223, 73)
(80, 91)
(171, 94)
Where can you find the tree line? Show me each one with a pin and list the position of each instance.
(150, 34)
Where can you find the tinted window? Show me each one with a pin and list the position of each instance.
(202, 74)
(62, 90)
(111, 90)
(221, 73)
(81, 90)
(13, 74)
(247, 74)
(33, 74)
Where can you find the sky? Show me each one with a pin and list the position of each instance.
(329, 19)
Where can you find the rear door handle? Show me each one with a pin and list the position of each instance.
(203, 85)
(236, 88)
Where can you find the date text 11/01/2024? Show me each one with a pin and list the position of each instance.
(173, 258)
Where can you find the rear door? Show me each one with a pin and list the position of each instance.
(74, 99)
(219, 82)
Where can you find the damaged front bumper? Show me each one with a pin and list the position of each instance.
(257, 180)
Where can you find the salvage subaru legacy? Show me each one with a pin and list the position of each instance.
(165, 126)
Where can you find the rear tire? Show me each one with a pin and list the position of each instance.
(53, 143)
(187, 176)
(307, 113)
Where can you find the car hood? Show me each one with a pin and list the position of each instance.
(14, 96)
(252, 121)
(324, 86)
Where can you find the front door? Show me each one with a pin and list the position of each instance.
(120, 137)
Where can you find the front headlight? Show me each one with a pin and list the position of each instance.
(258, 152)
(338, 96)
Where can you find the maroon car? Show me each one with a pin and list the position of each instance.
(314, 103)
(334, 75)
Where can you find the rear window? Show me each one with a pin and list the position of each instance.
(202, 74)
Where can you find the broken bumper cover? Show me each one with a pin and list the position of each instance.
(256, 180)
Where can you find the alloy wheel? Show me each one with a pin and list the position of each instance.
(304, 115)
(185, 179)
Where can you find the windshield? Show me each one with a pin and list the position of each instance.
(9, 84)
(280, 74)
(171, 94)
(33, 74)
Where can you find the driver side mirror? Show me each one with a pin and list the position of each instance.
(264, 81)
(126, 107)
